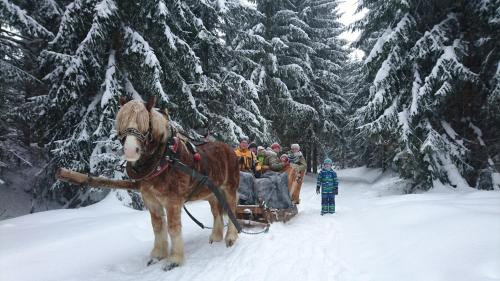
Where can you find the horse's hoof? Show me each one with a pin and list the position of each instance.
(215, 238)
(230, 242)
(170, 265)
(153, 261)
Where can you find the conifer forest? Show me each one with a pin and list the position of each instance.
(421, 98)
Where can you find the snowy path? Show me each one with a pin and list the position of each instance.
(376, 234)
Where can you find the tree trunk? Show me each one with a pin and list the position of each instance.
(315, 158)
(308, 157)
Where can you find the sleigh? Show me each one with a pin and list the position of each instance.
(268, 199)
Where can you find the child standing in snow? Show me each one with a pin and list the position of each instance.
(328, 183)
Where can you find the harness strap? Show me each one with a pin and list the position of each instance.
(161, 167)
(194, 219)
(215, 190)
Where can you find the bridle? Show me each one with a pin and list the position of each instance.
(145, 139)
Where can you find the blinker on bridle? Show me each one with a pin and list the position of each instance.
(143, 138)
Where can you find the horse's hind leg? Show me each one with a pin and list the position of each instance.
(218, 229)
(232, 232)
(160, 249)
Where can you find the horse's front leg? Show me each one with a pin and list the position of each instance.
(232, 201)
(159, 223)
(176, 258)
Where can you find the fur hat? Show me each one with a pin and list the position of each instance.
(295, 145)
(270, 153)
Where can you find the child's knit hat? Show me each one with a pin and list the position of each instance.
(328, 161)
(284, 157)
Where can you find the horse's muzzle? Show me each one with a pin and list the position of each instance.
(131, 150)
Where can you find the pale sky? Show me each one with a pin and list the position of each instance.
(348, 9)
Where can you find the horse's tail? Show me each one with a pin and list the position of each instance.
(76, 178)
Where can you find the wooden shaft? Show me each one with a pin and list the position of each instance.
(76, 178)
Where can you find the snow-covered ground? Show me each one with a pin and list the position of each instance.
(376, 234)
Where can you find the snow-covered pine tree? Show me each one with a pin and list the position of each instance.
(247, 50)
(328, 62)
(230, 100)
(290, 54)
(352, 151)
(107, 48)
(484, 23)
(22, 36)
(260, 54)
(426, 94)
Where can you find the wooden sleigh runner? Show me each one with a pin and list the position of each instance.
(249, 214)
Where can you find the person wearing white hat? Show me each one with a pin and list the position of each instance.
(295, 157)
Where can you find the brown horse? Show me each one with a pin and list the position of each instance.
(145, 134)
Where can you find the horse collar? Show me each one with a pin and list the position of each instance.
(160, 160)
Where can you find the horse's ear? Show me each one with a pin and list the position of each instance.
(123, 100)
(165, 112)
(151, 103)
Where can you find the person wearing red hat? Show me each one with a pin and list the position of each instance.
(276, 147)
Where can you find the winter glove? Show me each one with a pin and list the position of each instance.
(336, 191)
(317, 190)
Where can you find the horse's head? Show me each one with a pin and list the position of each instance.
(139, 127)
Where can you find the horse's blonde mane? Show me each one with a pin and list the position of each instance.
(135, 115)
